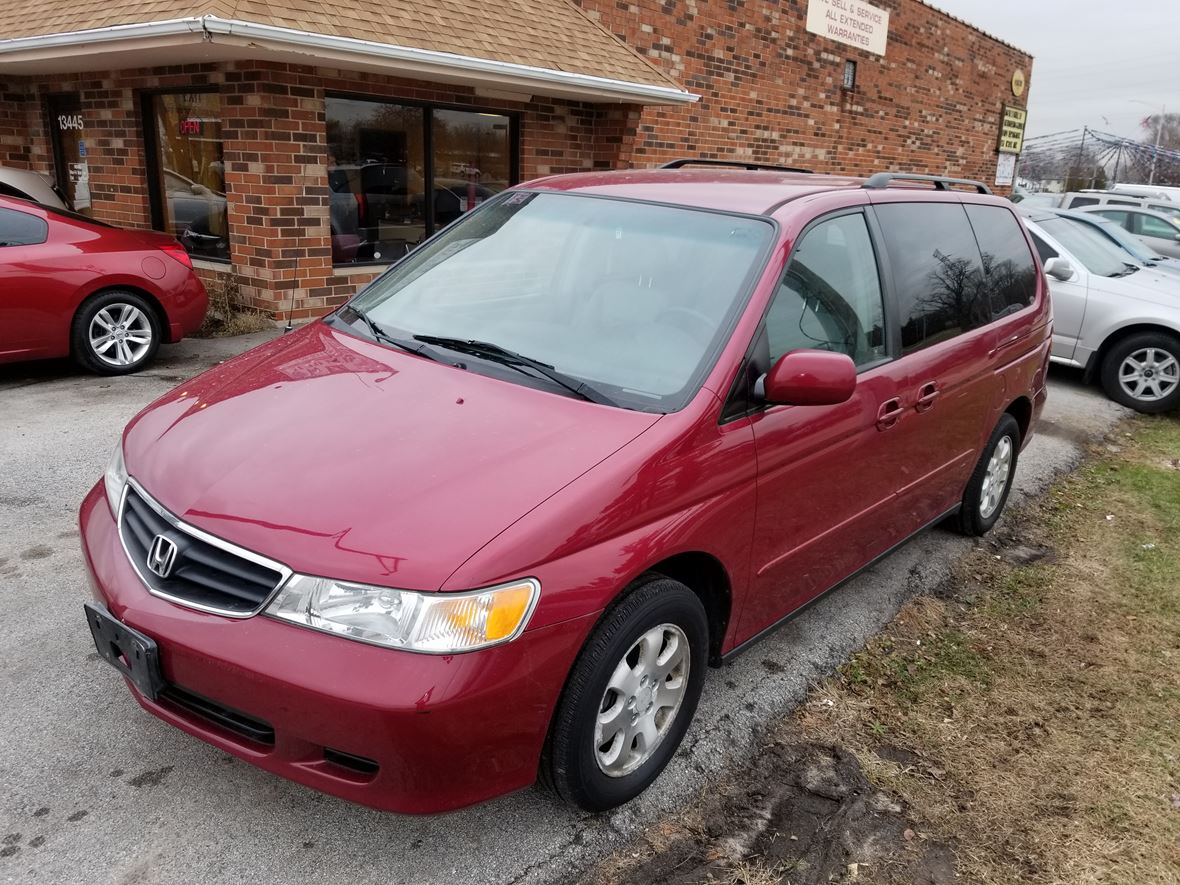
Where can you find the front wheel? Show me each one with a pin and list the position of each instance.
(630, 697)
(1143, 372)
(987, 491)
(115, 333)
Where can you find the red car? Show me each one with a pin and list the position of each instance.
(495, 517)
(73, 286)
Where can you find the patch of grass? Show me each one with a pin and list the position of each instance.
(1049, 701)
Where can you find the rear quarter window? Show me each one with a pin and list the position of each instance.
(1010, 273)
(21, 228)
(937, 271)
(1083, 201)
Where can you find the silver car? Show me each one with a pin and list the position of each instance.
(1160, 230)
(1112, 317)
(25, 185)
(1119, 236)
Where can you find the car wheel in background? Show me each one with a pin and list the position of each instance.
(630, 697)
(1143, 371)
(987, 491)
(114, 333)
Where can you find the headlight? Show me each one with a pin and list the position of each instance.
(115, 478)
(436, 623)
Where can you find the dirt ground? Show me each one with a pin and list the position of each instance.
(1019, 726)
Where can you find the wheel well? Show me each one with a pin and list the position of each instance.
(153, 303)
(706, 577)
(1095, 364)
(1021, 409)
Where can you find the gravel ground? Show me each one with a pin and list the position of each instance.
(93, 790)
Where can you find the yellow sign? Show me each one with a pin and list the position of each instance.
(1012, 129)
(1018, 83)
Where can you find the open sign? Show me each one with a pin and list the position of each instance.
(190, 126)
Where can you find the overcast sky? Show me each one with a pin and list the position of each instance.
(1090, 59)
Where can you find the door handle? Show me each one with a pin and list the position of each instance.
(927, 394)
(889, 413)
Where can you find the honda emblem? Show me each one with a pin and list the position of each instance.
(162, 556)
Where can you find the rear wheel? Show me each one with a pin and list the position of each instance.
(630, 697)
(114, 333)
(987, 491)
(1143, 372)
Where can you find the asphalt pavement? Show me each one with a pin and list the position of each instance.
(93, 790)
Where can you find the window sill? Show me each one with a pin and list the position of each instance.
(218, 264)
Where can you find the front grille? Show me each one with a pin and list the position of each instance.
(239, 723)
(202, 572)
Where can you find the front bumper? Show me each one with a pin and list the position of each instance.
(443, 731)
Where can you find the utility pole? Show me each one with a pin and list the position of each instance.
(1081, 150)
(1159, 131)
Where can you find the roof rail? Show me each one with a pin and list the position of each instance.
(737, 164)
(941, 183)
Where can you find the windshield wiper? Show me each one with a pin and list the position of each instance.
(381, 335)
(496, 353)
(1127, 271)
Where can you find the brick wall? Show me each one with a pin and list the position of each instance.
(770, 91)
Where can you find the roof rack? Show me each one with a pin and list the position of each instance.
(736, 164)
(941, 183)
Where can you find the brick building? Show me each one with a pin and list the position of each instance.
(297, 146)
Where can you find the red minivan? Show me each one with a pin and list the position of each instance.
(494, 518)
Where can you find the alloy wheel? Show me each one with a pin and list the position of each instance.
(641, 700)
(1149, 374)
(995, 480)
(120, 334)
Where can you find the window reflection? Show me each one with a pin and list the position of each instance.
(378, 170)
(471, 161)
(190, 170)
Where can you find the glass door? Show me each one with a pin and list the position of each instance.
(67, 131)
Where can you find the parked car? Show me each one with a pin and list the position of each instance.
(1089, 199)
(1159, 230)
(1134, 247)
(25, 185)
(73, 286)
(599, 433)
(1115, 319)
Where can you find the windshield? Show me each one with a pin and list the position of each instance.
(1096, 253)
(632, 298)
(1125, 239)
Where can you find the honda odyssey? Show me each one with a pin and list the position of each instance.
(493, 519)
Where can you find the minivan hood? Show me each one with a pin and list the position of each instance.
(340, 457)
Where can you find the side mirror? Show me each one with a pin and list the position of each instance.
(1059, 269)
(810, 378)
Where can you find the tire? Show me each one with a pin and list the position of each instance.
(982, 504)
(126, 314)
(578, 758)
(1157, 378)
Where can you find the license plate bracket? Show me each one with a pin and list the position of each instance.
(130, 652)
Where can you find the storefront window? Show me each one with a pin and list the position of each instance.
(67, 129)
(379, 166)
(190, 173)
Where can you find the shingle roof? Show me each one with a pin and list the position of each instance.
(552, 34)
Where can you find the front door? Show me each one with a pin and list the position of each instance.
(1069, 304)
(67, 128)
(826, 474)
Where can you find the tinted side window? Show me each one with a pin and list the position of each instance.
(830, 297)
(1043, 249)
(1010, 274)
(937, 270)
(1083, 201)
(1150, 226)
(21, 228)
(1117, 216)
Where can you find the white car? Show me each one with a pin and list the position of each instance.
(1112, 317)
